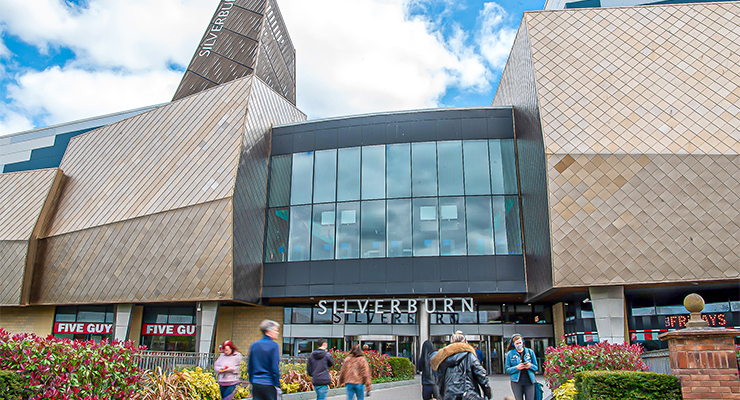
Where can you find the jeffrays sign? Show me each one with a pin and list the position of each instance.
(397, 306)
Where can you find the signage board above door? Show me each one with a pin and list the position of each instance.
(397, 306)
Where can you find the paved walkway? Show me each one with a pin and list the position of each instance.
(499, 385)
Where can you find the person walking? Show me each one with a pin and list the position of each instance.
(227, 366)
(429, 389)
(478, 353)
(521, 364)
(264, 363)
(459, 373)
(317, 367)
(356, 374)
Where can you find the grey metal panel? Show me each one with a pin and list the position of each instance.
(288, 330)
(372, 270)
(426, 269)
(349, 136)
(397, 288)
(370, 288)
(511, 286)
(297, 291)
(427, 287)
(281, 145)
(491, 329)
(423, 131)
(380, 329)
(405, 330)
(373, 134)
(468, 329)
(322, 272)
(400, 270)
(482, 268)
(354, 330)
(441, 330)
(454, 287)
(449, 129)
(304, 141)
(476, 127)
(453, 268)
(399, 132)
(489, 287)
(337, 331)
(298, 273)
(509, 269)
(321, 290)
(326, 138)
(500, 128)
(311, 331)
(347, 271)
(274, 274)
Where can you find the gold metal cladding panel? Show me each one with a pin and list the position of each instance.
(177, 155)
(652, 79)
(266, 108)
(22, 196)
(184, 254)
(12, 266)
(620, 219)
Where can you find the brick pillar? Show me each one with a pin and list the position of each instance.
(704, 359)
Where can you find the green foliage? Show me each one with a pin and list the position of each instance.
(564, 361)
(379, 363)
(402, 368)
(11, 386)
(566, 391)
(627, 385)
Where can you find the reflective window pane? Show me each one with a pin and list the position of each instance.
(91, 314)
(506, 225)
(348, 174)
(276, 240)
(300, 234)
(450, 168)
(480, 225)
(348, 230)
(280, 180)
(452, 226)
(424, 169)
(325, 176)
(477, 178)
(322, 232)
(426, 228)
(497, 169)
(302, 178)
(373, 172)
(373, 229)
(399, 228)
(398, 174)
(508, 165)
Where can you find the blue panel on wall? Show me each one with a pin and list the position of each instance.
(46, 157)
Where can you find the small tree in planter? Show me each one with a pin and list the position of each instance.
(564, 361)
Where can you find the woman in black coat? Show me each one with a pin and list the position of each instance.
(459, 373)
(429, 388)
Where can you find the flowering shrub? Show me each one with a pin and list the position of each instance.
(566, 391)
(203, 384)
(380, 364)
(62, 368)
(242, 393)
(564, 361)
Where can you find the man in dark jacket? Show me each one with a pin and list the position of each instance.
(317, 367)
(264, 363)
(459, 372)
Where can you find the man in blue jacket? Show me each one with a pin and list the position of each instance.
(264, 363)
(318, 368)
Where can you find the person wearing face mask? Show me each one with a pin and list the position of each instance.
(521, 364)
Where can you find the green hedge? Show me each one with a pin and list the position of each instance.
(402, 368)
(619, 385)
(11, 386)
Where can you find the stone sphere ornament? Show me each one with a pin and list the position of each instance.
(695, 305)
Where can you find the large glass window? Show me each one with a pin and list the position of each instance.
(503, 166)
(450, 168)
(280, 180)
(373, 172)
(373, 229)
(322, 232)
(100, 316)
(452, 226)
(477, 178)
(300, 233)
(426, 227)
(506, 225)
(302, 178)
(480, 226)
(276, 240)
(325, 176)
(348, 174)
(424, 169)
(348, 230)
(399, 228)
(398, 172)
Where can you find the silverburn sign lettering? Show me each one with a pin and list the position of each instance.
(216, 26)
(398, 306)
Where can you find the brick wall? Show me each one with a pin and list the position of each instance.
(36, 319)
(241, 325)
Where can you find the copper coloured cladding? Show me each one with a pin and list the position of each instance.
(242, 37)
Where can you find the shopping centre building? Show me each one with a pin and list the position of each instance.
(597, 190)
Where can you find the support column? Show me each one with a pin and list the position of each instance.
(423, 319)
(122, 321)
(558, 321)
(608, 303)
(206, 314)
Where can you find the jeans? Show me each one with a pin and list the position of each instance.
(522, 392)
(321, 392)
(263, 392)
(355, 390)
(226, 390)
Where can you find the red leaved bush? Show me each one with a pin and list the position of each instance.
(71, 369)
(380, 364)
(564, 361)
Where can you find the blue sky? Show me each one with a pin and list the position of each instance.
(74, 59)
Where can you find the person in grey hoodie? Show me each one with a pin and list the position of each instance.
(318, 366)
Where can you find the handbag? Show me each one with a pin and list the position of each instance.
(538, 393)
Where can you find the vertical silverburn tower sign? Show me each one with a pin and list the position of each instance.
(243, 37)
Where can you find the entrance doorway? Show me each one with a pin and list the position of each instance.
(491, 348)
(394, 346)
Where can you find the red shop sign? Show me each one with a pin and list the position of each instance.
(83, 328)
(168, 330)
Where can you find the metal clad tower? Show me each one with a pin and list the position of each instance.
(243, 37)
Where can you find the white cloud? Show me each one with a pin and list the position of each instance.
(130, 34)
(366, 56)
(67, 94)
(12, 122)
(495, 37)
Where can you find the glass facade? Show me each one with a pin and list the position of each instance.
(181, 315)
(443, 198)
(84, 314)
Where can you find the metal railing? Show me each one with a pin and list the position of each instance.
(658, 361)
(170, 360)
